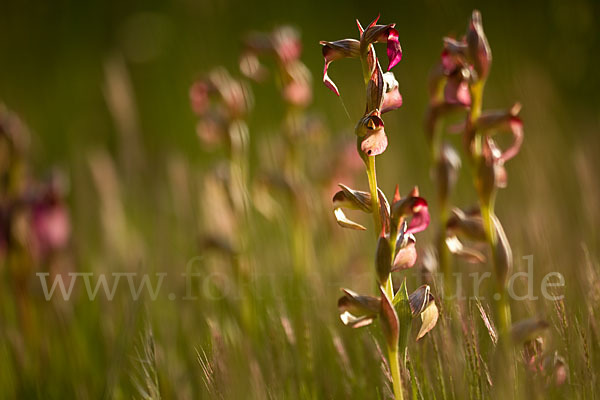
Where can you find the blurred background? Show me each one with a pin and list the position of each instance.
(103, 87)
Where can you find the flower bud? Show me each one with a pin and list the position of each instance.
(383, 259)
(479, 50)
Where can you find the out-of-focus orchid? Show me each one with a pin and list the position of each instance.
(219, 100)
(285, 46)
(352, 48)
(491, 122)
(232, 95)
(50, 223)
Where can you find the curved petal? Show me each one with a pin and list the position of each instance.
(344, 222)
(327, 80)
(429, 319)
(332, 51)
(516, 127)
(355, 322)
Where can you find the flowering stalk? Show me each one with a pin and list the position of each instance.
(222, 104)
(395, 224)
(463, 71)
(284, 46)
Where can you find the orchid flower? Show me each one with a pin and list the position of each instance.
(358, 310)
(352, 48)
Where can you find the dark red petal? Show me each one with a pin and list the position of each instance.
(394, 50)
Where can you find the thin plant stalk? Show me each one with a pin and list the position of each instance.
(392, 350)
(502, 307)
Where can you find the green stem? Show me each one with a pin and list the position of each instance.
(502, 307)
(393, 353)
(372, 176)
(442, 249)
(395, 370)
(443, 207)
